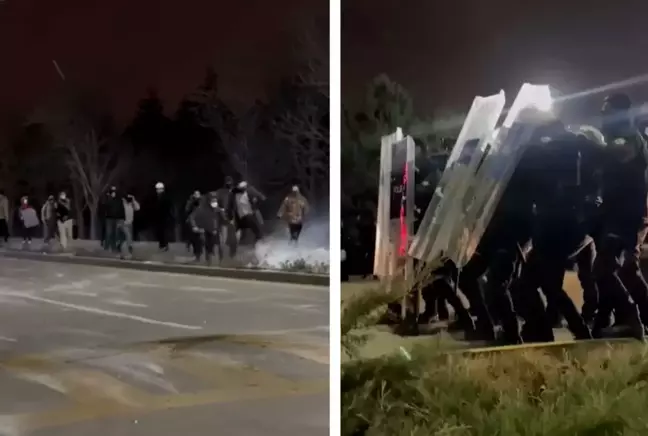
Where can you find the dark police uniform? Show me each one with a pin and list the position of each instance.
(624, 219)
(499, 255)
(560, 233)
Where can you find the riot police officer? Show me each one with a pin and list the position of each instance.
(560, 230)
(624, 219)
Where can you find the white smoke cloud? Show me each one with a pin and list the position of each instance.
(276, 250)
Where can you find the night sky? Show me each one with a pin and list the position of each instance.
(125, 46)
(445, 55)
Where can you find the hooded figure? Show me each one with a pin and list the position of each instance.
(293, 210)
(192, 203)
(243, 209)
(206, 222)
(114, 214)
(228, 231)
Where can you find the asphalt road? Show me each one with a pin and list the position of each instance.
(92, 350)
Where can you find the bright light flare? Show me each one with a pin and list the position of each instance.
(530, 97)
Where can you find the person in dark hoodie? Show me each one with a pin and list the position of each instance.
(113, 213)
(48, 218)
(192, 203)
(243, 205)
(624, 220)
(163, 216)
(206, 221)
(228, 231)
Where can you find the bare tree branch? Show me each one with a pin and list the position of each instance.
(313, 58)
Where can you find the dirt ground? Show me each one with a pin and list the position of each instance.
(382, 341)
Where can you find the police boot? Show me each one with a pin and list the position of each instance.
(536, 334)
(635, 328)
(408, 326)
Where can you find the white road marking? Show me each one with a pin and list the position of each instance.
(301, 307)
(77, 293)
(79, 285)
(179, 288)
(6, 339)
(126, 303)
(238, 300)
(98, 311)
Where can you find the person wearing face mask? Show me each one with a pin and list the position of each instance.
(192, 203)
(623, 216)
(293, 210)
(114, 214)
(206, 221)
(64, 220)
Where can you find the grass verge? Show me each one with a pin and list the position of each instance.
(430, 389)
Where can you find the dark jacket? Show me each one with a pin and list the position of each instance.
(564, 184)
(206, 218)
(624, 189)
(254, 195)
(192, 204)
(114, 208)
(163, 209)
(512, 218)
(223, 196)
(63, 210)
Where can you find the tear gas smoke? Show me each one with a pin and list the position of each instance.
(276, 249)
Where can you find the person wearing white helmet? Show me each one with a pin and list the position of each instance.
(163, 216)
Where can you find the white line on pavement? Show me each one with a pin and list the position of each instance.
(98, 311)
(238, 300)
(6, 339)
(179, 288)
(118, 302)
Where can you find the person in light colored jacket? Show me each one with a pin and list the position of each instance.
(293, 210)
(64, 220)
(29, 219)
(126, 225)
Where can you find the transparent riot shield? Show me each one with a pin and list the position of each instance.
(381, 253)
(532, 105)
(397, 209)
(402, 204)
(433, 238)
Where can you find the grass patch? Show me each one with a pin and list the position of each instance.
(601, 391)
(423, 387)
(302, 266)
